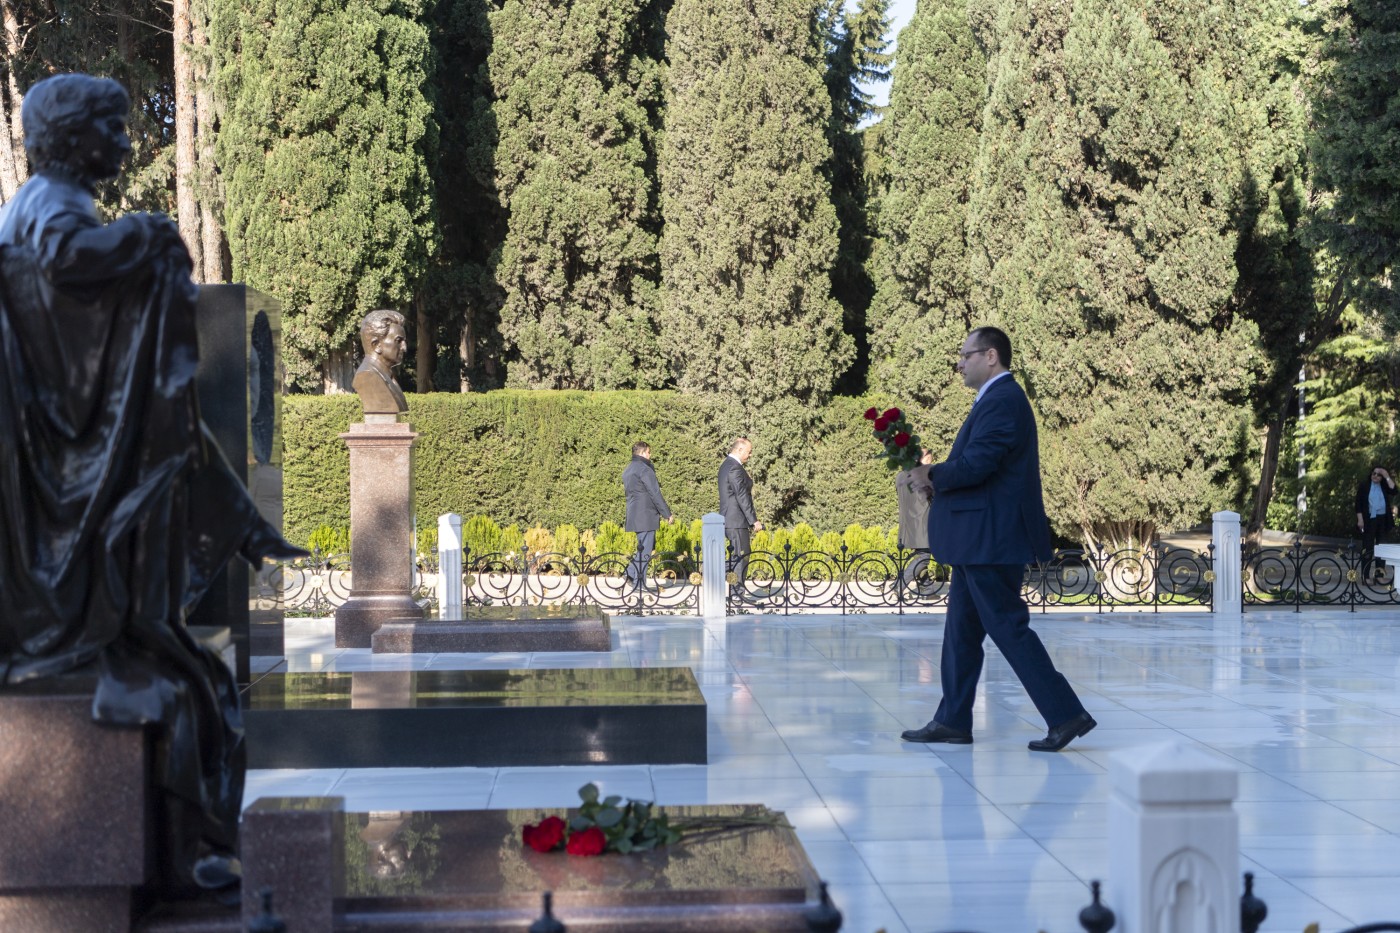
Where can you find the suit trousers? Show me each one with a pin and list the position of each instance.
(986, 600)
(739, 543)
(637, 569)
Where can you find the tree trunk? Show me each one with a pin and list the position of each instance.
(466, 351)
(1268, 469)
(187, 210)
(14, 49)
(210, 193)
(9, 158)
(338, 372)
(423, 352)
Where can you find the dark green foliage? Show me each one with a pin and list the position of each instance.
(576, 100)
(1105, 222)
(857, 56)
(459, 292)
(325, 142)
(750, 233)
(1355, 95)
(920, 313)
(554, 458)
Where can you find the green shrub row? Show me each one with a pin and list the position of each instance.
(552, 459)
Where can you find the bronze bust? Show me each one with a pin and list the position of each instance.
(385, 342)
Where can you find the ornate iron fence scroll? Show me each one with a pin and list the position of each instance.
(1300, 576)
(671, 583)
(857, 582)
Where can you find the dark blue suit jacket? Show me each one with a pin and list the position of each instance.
(987, 504)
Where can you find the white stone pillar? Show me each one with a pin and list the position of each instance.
(1173, 841)
(449, 581)
(1228, 590)
(712, 565)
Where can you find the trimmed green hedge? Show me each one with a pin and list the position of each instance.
(555, 458)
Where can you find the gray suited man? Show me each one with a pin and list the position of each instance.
(736, 505)
(645, 509)
(915, 491)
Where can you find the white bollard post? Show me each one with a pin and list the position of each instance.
(1173, 841)
(449, 581)
(1228, 593)
(712, 566)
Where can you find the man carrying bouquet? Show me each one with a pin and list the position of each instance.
(988, 522)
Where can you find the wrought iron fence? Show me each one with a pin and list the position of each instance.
(855, 582)
(1299, 576)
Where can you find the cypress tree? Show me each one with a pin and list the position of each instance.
(579, 269)
(920, 312)
(750, 232)
(324, 143)
(1104, 225)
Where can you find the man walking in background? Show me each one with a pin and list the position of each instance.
(736, 505)
(988, 522)
(645, 509)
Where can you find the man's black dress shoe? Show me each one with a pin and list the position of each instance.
(936, 732)
(1060, 736)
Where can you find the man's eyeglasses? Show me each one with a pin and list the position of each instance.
(963, 355)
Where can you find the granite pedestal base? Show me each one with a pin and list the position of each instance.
(360, 616)
(75, 846)
(467, 870)
(500, 629)
(428, 719)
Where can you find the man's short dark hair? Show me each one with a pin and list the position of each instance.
(994, 338)
(641, 447)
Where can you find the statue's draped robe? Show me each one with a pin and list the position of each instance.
(116, 507)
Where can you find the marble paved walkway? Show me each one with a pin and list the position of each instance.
(805, 714)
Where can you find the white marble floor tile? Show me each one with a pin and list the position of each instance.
(1050, 906)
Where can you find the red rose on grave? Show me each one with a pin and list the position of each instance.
(871, 414)
(881, 424)
(589, 842)
(545, 835)
(892, 415)
(901, 439)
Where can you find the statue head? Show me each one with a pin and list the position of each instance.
(383, 337)
(77, 123)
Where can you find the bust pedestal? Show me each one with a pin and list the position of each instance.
(381, 530)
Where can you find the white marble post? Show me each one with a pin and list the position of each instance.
(1228, 590)
(1173, 841)
(712, 565)
(449, 581)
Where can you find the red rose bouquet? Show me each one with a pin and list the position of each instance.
(902, 447)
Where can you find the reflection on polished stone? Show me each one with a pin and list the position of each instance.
(472, 865)
(499, 629)
(361, 719)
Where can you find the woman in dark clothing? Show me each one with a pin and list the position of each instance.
(1373, 517)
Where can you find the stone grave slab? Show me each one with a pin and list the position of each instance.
(492, 629)
(485, 718)
(467, 869)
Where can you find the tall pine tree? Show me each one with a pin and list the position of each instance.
(325, 143)
(857, 58)
(920, 312)
(750, 233)
(575, 100)
(1104, 228)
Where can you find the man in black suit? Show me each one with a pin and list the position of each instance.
(1373, 518)
(736, 505)
(645, 509)
(987, 522)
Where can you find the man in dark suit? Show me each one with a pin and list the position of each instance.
(988, 522)
(736, 505)
(645, 509)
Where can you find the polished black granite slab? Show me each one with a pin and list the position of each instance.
(740, 868)
(499, 629)
(422, 719)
